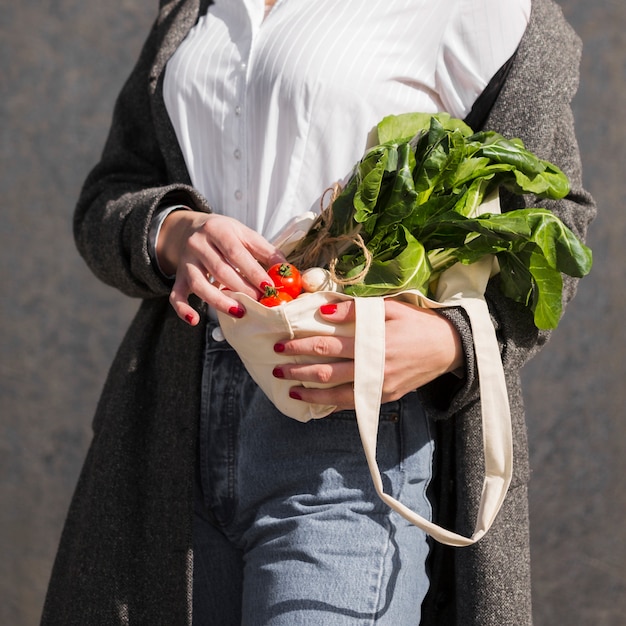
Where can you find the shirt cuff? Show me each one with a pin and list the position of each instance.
(155, 229)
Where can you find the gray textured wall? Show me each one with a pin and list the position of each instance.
(63, 62)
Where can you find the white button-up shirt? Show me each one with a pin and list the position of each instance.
(271, 111)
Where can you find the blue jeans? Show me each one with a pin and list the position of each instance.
(288, 528)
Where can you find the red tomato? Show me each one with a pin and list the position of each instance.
(287, 278)
(274, 297)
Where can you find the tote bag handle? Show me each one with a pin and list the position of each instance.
(369, 362)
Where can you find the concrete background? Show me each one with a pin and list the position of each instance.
(63, 62)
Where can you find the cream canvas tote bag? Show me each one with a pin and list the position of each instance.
(254, 337)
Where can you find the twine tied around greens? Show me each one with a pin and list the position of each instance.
(325, 249)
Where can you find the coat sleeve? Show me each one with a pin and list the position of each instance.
(534, 105)
(140, 169)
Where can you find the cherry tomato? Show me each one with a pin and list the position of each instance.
(287, 278)
(274, 297)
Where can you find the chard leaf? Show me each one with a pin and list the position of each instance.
(497, 172)
(405, 125)
(516, 279)
(510, 151)
(402, 197)
(561, 248)
(551, 183)
(429, 212)
(409, 269)
(530, 173)
(533, 247)
(370, 176)
(343, 209)
(438, 164)
(470, 168)
(414, 198)
(528, 279)
(546, 304)
(468, 203)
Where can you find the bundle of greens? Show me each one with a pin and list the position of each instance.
(411, 209)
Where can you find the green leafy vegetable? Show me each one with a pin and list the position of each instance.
(413, 200)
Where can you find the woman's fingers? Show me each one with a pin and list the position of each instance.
(338, 347)
(203, 288)
(211, 254)
(236, 254)
(332, 373)
(341, 396)
(420, 346)
(339, 312)
(331, 362)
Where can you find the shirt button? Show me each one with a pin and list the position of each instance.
(243, 66)
(238, 195)
(237, 153)
(237, 110)
(217, 334)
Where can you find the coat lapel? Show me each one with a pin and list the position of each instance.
(174, 23)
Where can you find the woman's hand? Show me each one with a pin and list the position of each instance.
(206, 250)
(420, 346)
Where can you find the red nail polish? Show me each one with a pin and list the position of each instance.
(279, 347)
(264, 285)
(237, 311)
(189, 318)
(294, 395)
(328, 309)
(277, 372)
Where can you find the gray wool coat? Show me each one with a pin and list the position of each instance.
(125, 555)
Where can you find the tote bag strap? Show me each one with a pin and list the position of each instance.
(496, 420)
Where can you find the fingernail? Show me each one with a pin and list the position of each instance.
(277, 372)
(189, 318)
(279, 347)
(237, 311)
(294, 395)
(263, 286)
(328, 309)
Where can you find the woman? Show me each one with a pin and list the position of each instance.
(198, 502)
